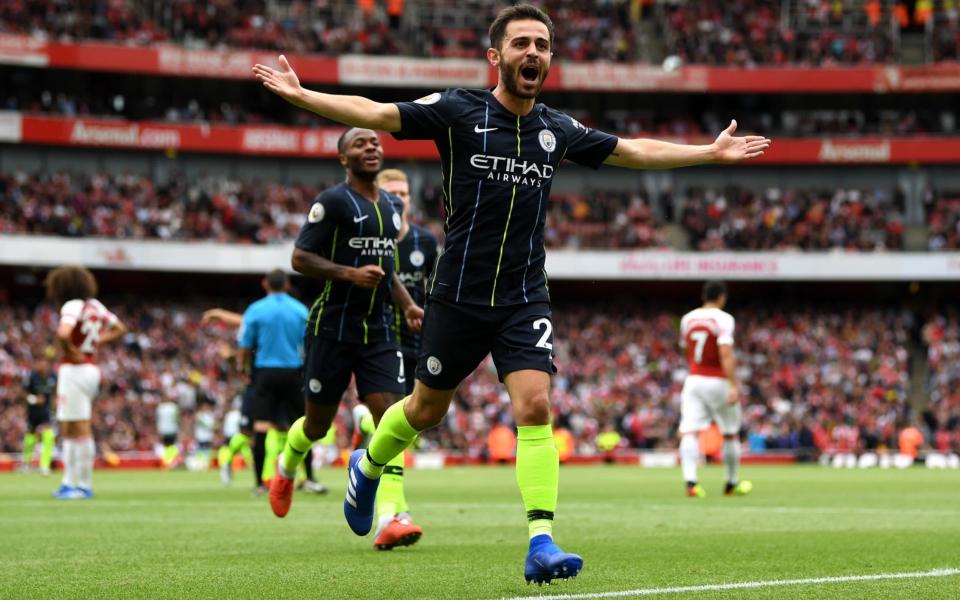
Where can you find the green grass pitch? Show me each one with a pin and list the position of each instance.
(171, 535)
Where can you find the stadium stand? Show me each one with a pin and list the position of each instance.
(942, 417)
(741, 219)
(230, 210)
(71, 97)
(742, 33)
(620, 368)
(943, 217)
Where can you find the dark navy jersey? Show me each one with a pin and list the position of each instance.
(346, 228)
(44, 386)
(497, 170)
(416, 254)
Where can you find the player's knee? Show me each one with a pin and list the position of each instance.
(316, 427)
(424, 414)
(378, 404)
(534, 410)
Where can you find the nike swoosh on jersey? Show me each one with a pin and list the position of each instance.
(478, 129)
(358, 219)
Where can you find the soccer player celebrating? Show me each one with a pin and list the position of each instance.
(499, 152)
(85, 324)
(413, 261)
(40, 387)
(349, 240)
(710, 392)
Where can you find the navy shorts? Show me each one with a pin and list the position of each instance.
(410, 372)
(329, 364)
(456, 337)
(37, 416)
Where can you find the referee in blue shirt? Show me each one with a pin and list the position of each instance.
(272, 330)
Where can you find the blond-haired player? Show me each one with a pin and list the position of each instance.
(710, 392)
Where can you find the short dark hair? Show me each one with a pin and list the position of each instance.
(70, 282)
(520, 12)
(276, 280)
(342, 140)
(712, 290)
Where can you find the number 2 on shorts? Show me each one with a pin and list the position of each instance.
(545, 324)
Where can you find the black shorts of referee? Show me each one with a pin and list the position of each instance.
(278, 396)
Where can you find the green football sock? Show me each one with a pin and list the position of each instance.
(224, 455)
(391, 438)
(295, 449)
(29, 441)
(390, 493)
(48, 439)
(276, 440)
(367, 426)
(170, 454)
(238, 443)
(538, 475)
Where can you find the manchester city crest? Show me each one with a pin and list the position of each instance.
(416, 258)
(548, 141)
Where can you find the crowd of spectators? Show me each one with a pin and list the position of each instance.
(736, 218)
(153, 108)
(815, 379)
(941, 334)
(135, 207)
(754, 32)
(742, 32)
(227, 210)
(602, 219)
(943, 218)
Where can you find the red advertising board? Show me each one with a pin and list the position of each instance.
(165, 59)
(267, 140)
(263, 140)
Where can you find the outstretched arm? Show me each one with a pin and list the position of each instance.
(355, 111)
(655, 154)
(220, 315)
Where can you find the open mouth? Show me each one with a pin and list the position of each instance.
(530, 73)
(371, 161)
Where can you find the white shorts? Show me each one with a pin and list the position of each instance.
(77, 386)
(704, 400)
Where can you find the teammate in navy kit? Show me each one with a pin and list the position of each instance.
(416, 254)
(349, 240)
(499, 151)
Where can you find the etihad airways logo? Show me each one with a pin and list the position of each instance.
(374, 246)
(512, 170)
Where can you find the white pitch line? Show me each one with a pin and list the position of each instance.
(747, 585)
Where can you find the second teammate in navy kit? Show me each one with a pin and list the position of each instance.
(415, 257)
(499, 151)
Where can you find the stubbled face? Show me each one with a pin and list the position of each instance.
(362, 154)
(400, 189)
(523, 58)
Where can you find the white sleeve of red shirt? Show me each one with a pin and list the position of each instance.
(726, 323)
(70, 312)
